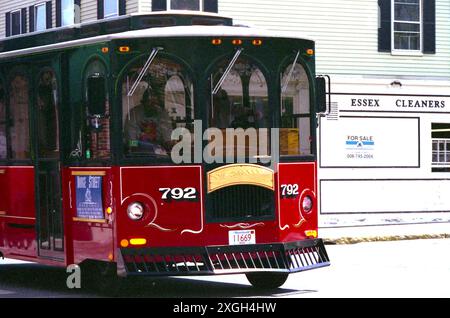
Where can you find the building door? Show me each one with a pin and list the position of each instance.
(47, 163)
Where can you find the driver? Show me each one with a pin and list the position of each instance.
(148, 126)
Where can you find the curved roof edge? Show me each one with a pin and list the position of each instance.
(172, 32)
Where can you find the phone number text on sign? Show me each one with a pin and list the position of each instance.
(242, 237)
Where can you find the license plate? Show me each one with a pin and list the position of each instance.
(242, 237)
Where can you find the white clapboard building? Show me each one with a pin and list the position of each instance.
(384, 146)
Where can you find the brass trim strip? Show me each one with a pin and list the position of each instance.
(88, 220)
(240, 174)
(2, 171)
(88, 173)
(2, 212)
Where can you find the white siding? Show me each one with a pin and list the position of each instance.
(88, 10)
(346, 32)
(145, 6)
(132, 6)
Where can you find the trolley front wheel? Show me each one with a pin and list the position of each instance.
(267, 280)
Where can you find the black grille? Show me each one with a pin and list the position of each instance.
(240, 203)
(281, 257)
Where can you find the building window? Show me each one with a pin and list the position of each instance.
(111, 8)
(407, 26)
(440, 136)
(185, 5)
(16, 22)
(40, 19)
(193, 5)
(67, 12)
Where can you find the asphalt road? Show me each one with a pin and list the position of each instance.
(403, 269)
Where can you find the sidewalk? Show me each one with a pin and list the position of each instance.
(357, 234)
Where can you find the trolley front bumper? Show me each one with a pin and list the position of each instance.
(210, 260)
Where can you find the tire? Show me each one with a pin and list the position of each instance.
(100, 277)
(267, 280)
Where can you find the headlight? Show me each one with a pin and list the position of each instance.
(135, 211)
(307, 204)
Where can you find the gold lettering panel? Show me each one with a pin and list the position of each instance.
(240, 174)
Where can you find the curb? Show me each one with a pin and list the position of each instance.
(354, 240)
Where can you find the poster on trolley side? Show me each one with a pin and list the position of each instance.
(89, 202)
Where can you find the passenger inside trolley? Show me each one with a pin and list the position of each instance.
(148, 126)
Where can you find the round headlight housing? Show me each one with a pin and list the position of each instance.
(135, 211)
(307, 204)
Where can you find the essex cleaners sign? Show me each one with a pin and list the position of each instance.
(393, 103)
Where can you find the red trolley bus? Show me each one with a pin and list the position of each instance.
(119, 148)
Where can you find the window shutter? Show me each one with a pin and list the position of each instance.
(429, 27)
(122, 7)
(24, 20)
(8, 23)
(384, 27)
(31, 14)
(159, 5)
(211, 6)
(77, 13)
(58, 13)
(100, 10)
(48, 9)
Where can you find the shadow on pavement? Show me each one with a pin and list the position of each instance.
(34, 280)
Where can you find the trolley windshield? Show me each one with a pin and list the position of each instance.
(244, 105)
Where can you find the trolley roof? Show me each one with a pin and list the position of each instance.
(173, 25)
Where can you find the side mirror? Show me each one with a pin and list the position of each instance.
(321, 94)
(96, 95)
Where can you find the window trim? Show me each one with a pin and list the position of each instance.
(418, 52)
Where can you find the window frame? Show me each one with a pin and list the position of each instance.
(395, 51)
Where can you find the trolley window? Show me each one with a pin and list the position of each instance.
(157, 97)
(47, 116)
(18, 105)
(240, 103)
(295, 132)
(3, 144)
(97, 142)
